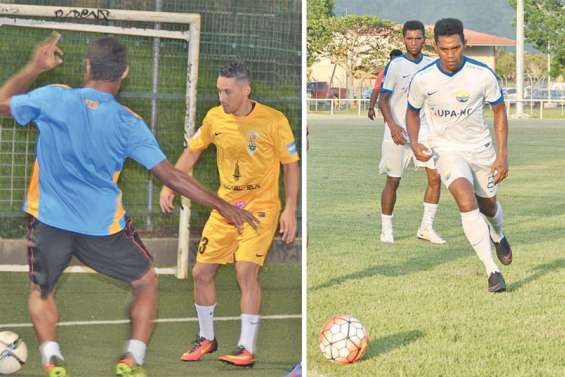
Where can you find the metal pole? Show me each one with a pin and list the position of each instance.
(548, 70)
(520, 58)
(154, 91)
(359, 107)
(183, 250)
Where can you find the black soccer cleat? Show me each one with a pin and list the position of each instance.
(496, 283)
(503, 251)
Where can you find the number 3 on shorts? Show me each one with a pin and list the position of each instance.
(202, 245)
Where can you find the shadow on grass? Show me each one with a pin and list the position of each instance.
(539, 271)
(389, 343)
(422, 262)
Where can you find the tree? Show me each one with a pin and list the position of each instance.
(320, 9)
(505, 64)
(534, 67)
(359, 44)
(544, 23)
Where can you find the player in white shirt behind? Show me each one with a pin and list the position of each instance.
(396, 152)
(452, 93)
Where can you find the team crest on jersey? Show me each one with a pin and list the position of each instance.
(252, 137)
(462, 96)
(92, 105)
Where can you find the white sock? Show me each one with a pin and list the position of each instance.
(386, 223)
(430, 210)
(249, 329)
(476, 231)
(137, 350)
(49, 349)
(496, 224)
(206, 320)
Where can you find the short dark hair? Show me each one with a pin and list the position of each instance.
(395, 54)
(447, 27)
(413, 25)
(108, 59)
(237, 70)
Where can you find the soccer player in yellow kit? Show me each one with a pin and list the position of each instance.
(252, 141)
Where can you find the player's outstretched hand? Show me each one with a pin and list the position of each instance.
(398, 134)
(287, 226)
(421, 152)
(47, 55)
(499, 169)
(166, 200)
(238, 216)
(371, 114)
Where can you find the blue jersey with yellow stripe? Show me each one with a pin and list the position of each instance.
(85, 135)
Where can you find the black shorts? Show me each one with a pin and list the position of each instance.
(121, 256)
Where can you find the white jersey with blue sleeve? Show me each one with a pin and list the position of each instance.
(398, 74)
(453, 103)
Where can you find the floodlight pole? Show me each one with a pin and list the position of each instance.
(520, 58)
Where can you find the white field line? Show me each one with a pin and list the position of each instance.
(78, 269)
(159, 320)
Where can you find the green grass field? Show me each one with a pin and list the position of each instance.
(91, 350)
(426, 307)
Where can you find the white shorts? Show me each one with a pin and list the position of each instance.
(475, 166)
(395, 158)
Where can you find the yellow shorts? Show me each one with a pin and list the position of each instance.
(221, 243)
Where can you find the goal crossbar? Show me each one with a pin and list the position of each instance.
(98, 14)
(41, 24)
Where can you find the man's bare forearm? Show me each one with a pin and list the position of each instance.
(291, 184)
(187, 160)
(501, 130)
(374, 97)
(413, 124)
(186, 185)
(384, 106)
(17, 84)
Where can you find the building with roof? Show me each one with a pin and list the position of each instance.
(479, 46)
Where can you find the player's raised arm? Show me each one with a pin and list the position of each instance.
(288, 216)
(189, 187)
(185, 163)
(47, 55)
(500, 166)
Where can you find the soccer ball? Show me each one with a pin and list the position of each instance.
(13, 352)
(343, 340)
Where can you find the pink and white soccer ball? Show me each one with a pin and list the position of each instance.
(343, 340)
(13, 352)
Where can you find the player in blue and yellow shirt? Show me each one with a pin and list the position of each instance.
(252, 142)
(74, 200)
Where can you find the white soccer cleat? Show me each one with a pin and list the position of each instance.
(430, 235)
(387, 237)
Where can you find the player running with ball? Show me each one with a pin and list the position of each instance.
(452, 92)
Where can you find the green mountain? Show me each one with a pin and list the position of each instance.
(487, 16)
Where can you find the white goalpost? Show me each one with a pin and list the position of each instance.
(101, 21)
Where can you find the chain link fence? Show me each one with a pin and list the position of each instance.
(266, 35)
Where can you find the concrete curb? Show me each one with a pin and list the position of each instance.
(164, 250)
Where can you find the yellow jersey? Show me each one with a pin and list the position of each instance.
(250, 150)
